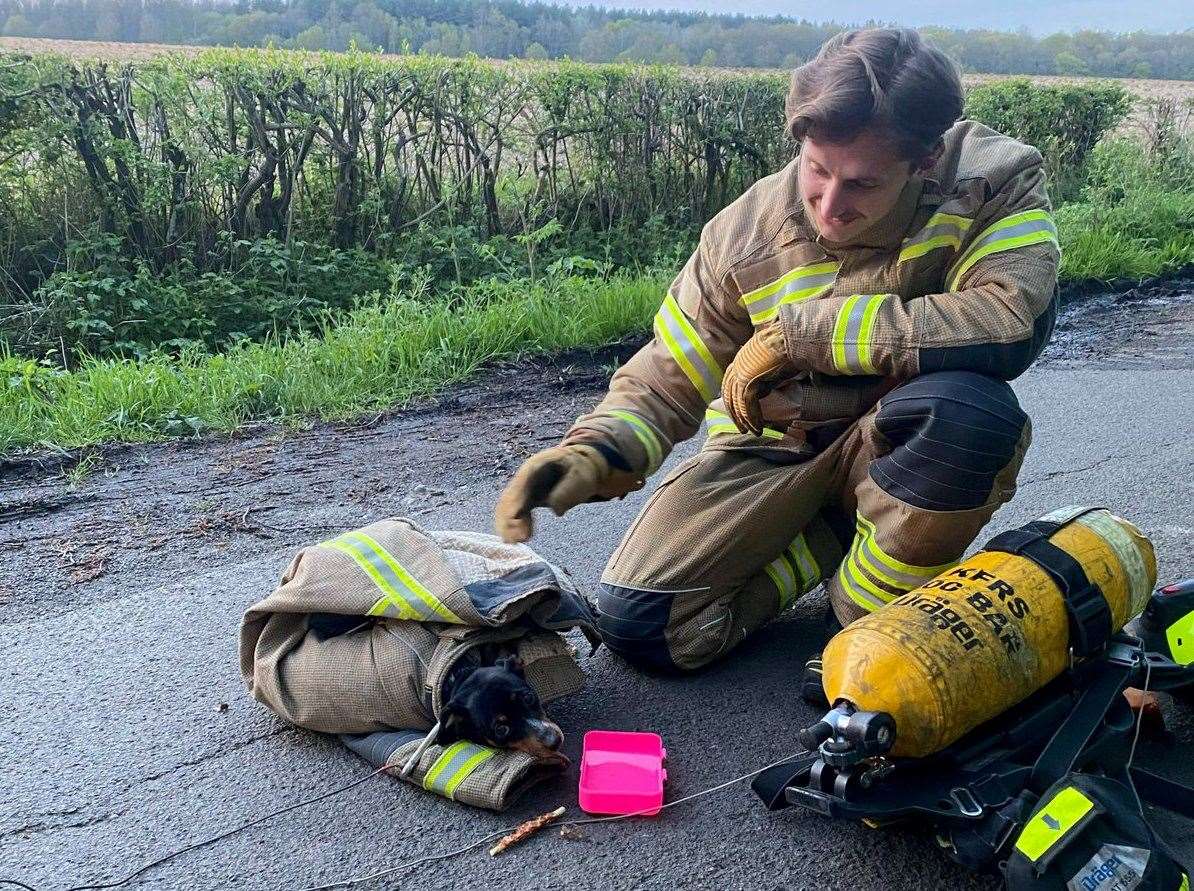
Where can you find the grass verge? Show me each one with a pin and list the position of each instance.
(394, 348)
(1149, 233)
(379, 355)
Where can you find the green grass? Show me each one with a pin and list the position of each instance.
(1133, 223)
(380, 355)
(1149, 233)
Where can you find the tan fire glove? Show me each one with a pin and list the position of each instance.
(560, 478)
(762, 361)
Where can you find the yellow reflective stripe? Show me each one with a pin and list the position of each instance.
(687, 348)
(1181, 639)
(848, 580)
(721, 423)
(852, 332)
(859, 573)
(864, 335)
(403, 596)
(645, 435)
(942, 230)
(801, 283)
(806, 563)
(465, 769)
(1015, 231)
(1053, 822)
(921, 248)
(774, 287)
(886, 568)
(1185, 885)
(454, 765)
(785, 578)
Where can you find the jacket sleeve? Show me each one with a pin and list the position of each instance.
(658, 398)
(995, 316)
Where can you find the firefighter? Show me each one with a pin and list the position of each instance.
(847, 329)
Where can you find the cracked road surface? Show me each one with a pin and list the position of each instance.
(126, 733)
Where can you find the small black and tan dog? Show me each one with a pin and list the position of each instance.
(488, 701)
(486, 697)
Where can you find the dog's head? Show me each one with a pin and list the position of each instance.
(496, 707)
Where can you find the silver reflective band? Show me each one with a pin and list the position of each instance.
(851, 345)
(1018, 230)
(801, 283)
(942, 230)
(687, 348)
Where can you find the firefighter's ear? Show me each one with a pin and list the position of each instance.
(512, 664)
(929, 161)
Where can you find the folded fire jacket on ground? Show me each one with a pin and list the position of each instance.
(362, 632)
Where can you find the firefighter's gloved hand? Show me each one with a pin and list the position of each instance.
(762, 361)
(560, 478)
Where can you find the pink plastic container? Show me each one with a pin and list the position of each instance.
(622, 773)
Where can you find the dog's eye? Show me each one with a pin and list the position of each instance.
(501, 732)
(529, 699)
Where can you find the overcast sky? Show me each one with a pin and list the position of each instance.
(1038, 16)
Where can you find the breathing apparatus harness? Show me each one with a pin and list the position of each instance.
(1046, 791)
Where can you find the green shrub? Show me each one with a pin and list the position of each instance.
(1064, 122)
(104, 302)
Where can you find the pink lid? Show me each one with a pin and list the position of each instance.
(622, 773)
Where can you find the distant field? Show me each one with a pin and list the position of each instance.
(1181, 90)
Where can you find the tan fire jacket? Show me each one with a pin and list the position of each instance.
(961, 274)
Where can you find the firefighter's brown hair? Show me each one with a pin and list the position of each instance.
(885, 77)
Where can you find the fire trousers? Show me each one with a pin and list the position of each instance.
(730, 538)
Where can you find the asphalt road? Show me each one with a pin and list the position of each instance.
(125, 731)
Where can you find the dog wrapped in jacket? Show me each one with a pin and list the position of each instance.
(382, 632)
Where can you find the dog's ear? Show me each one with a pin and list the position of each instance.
(512, 664)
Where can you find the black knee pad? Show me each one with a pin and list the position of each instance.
(951, 433)
(632, 623)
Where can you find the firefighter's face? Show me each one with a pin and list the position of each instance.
(847, 187)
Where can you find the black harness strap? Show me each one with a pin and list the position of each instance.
(1164, 792)
(771, 784)
(1085, 603)
(1104, 685)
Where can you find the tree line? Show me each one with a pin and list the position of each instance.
(503, 29)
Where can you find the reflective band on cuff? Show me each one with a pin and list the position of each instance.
(1102, 524)
(794, 572)
(942, 230)
(851, 344)
(645, 435)
(720, 423)
(859, 590)
(801, 283)
(454, 765)
(1015, 231)
(1053, 822)
(1185, 885)
(784, 576)
(403, 596)
(687, 348)
(868, 566)
(887, 568)
(806, 563)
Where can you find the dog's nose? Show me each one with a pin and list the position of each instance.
(549, 734)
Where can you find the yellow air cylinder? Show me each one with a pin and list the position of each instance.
(969, 644)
